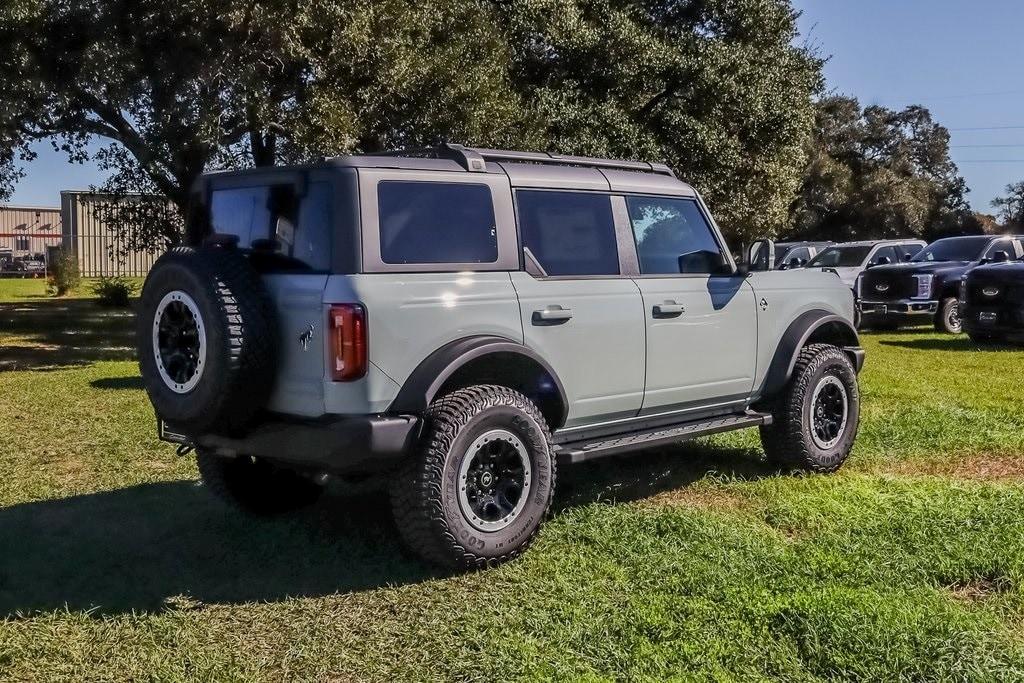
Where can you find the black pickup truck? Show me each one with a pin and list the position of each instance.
(928, 286)
(992, 302)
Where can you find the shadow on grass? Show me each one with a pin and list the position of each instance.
(138, 548)
(958, 343)
(118, 383)
(64, 333)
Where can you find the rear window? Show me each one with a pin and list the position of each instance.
(273, 221)
(569, 233)
(430, 222)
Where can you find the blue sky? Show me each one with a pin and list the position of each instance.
(962, 60)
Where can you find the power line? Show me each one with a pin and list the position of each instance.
(1018, 144)
(990, 128)
(988, 161)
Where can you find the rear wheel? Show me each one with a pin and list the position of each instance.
(256, 486)
(817, 416)
(481, 484)
(948, 318)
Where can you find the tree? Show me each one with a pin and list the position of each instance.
(185, 87)
(876, 173)
(1011, 207)
(715, 88)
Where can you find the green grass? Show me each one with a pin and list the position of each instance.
(18, 290)
(692, 563)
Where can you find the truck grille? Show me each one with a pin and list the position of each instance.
(887, 286)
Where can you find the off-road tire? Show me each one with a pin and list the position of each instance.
(241, 339)
(948, 317)
(788, 440)
(256, 486)
(425, 492)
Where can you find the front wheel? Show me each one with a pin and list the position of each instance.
(816, 417)
(948, 318)
(481, 484)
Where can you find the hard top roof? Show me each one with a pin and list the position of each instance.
(524, 169)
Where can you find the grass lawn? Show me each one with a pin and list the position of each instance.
(696, 562)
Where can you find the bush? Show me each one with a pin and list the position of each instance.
(114, 291)
(64, 275)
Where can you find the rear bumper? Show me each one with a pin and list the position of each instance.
(340, 444)
(897, 310)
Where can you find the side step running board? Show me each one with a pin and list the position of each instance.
(580, 451)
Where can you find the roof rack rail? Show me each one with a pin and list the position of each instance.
(476, 158)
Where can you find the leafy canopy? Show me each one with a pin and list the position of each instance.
(877, 173)
(715, 88)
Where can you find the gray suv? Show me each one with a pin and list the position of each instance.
(462, 321)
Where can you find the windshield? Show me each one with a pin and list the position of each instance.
(840, 257)
(953, 249)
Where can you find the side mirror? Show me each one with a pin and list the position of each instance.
(884, 260)
(760, 255)
(796, 262)
(907, 257)
(704, 261)
(1000, 257)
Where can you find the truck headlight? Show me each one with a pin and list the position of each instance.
(924, 287)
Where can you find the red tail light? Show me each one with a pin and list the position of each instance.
(348, 342)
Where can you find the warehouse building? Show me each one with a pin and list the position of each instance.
(78, 225)
(27, 231)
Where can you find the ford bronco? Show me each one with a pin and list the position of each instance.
(464, 321)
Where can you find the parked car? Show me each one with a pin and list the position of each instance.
(927, 288)
(6, 261)
(29, 266)
(992, 302)
(463, 321)
(787, 255)
(849, 259)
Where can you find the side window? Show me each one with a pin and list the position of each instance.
(906, 251)
(672, 237)
(885, 253)
(569, 233)
(803, 255)
(1000, 245)
(433, 222)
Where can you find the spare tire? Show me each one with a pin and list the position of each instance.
(207, 340)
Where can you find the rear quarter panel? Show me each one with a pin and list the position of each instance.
(782, 296)
(409, 316)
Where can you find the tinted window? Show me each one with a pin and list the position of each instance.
(672, 236)
(802, 254)
(885, 253)
(569, 233)
(1001, 245)
(294, 230)
(840, 257)
(907, 250)
(953, 249)
(424, 222)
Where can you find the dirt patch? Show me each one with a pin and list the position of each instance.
(700, 498)
(978, 589)
(982, 467)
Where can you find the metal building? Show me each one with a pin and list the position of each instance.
(29, 230)
(96, 245)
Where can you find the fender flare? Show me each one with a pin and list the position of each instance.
(423, 385)
(796, 337)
